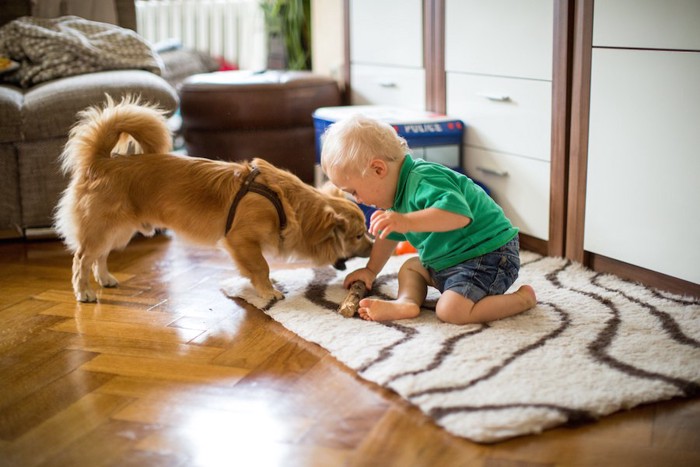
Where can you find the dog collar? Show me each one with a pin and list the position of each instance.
(249, 184)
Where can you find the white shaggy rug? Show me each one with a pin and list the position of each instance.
(593, 345)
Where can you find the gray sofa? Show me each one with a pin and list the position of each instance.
(34, 124)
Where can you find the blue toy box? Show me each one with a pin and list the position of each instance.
(431, 136)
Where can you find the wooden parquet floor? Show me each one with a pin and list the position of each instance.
(167, 371)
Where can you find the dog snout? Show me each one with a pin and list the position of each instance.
(365, 247)
(362, 249)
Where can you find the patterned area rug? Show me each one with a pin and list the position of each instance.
(593, 345)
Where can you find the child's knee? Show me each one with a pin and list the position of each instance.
(413, 264)
(413, 267)
(452, 316)
(455, 309)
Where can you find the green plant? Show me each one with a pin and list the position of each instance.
(291, 19)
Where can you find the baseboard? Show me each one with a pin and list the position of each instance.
(8, 234)
(40, 233)
(533, 244)
(645, 276)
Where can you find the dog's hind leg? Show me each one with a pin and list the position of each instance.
(118, 239)
(92, 254)
(81, 276)
(102, 275)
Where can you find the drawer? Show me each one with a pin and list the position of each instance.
(500, 37)
(376, 85)
(668, 24)
(387, 32)
(518, 184)
(503, 114)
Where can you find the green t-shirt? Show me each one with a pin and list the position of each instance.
(425, 185)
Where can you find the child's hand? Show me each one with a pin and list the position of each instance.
(382, 223)
(365, 275)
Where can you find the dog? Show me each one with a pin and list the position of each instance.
(249, 209)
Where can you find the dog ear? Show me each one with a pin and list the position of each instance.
(341, 224)
(337, 222)
(324, 225)
(330, 224)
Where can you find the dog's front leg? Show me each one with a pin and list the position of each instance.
(81, 277)
(252, 264)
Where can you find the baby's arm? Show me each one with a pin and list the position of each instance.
(383, 223)
(381, 252)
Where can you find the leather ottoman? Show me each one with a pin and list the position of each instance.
(239, 115)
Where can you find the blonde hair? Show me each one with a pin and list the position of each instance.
(349, 145)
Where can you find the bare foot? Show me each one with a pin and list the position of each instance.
(527, 295)
(382, 310)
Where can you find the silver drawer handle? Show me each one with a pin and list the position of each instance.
(495, 97)
(490, 171)
(387, 84)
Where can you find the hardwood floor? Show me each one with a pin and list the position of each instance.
(166, 370)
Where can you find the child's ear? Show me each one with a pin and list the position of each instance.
(379, 167)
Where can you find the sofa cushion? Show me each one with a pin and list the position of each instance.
(10, 114)
(40, 180)
(50, 109)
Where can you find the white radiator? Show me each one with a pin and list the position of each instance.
(232, 29)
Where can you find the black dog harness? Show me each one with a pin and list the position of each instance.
(251, 185)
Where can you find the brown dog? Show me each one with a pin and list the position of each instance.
(111, 197)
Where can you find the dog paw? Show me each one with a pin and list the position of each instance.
(108, 281)
(86, 296)
(271, 295)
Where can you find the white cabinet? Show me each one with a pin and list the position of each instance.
(498, 80)
(386, 53)
(633, 191)
(642, 190)
(498, 62)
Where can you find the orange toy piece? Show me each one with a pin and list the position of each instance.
(404, 248)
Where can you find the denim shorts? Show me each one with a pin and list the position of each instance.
(489, 274)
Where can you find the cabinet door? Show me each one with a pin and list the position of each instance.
(642, 193)
(387, 32)
(500, 37)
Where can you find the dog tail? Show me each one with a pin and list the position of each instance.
(100, 129)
